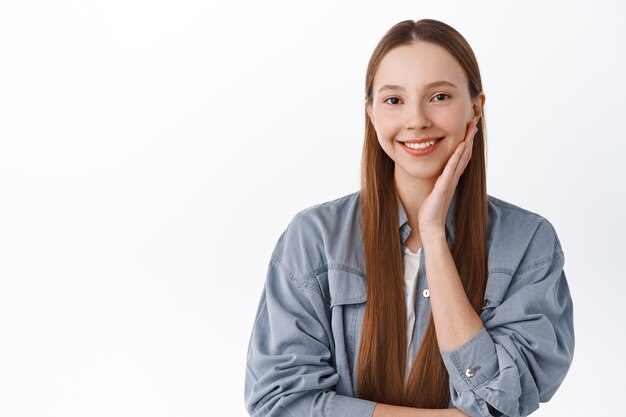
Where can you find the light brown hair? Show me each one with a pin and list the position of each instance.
(382, 352)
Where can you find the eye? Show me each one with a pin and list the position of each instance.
(390, 98)
(442, 94)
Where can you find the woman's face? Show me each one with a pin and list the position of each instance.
(406, 107)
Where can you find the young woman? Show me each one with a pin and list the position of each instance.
(419, 294)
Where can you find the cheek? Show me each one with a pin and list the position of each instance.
(387, 131)
(455, 132)
(388, 146)
(382, 133)
(386, 141)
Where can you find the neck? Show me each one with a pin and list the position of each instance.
(412, 192)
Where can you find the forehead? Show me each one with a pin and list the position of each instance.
(418, 64)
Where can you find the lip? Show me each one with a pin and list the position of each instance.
(420, 152)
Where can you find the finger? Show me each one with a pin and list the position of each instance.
(446, 179)
(459, 159)
(471, 130)
(467, 153)
(454, 160)
(464, 160)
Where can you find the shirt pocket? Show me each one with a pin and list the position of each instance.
(348, 293)
(497, 285)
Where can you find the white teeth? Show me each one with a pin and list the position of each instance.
(421, 145)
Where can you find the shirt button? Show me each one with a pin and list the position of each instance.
(469, 372)
(426, 293)
(486, 303)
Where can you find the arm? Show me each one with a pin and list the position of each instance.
(455, 319)
(289, 370)
(521, 353)
(456, 322)
(523, 350)
(385, 410)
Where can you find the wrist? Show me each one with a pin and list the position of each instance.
(433, 236)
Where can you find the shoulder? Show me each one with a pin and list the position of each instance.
(518, 239)
(319, 234)
(328, 213)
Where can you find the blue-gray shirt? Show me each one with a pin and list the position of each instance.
(303, 350)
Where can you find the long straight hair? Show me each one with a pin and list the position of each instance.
(382, 353)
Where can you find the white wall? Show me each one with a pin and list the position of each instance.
(152, 152)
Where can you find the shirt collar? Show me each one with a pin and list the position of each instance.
(405, 229)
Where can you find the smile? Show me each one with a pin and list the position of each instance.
(418, 149)
(422, 145)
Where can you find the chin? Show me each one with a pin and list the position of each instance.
(424, 177)
(425, 174)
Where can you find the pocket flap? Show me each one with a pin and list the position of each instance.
(346, 287)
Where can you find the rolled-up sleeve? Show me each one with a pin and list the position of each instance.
(289, 368)
(525, 348)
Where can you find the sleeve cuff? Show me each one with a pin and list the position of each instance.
(473, 363)
(483, 374)
(345, 406)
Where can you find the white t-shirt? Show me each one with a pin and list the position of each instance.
(411, 268)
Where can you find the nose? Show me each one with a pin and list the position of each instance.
(417, 117)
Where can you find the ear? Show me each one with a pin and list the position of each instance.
(479, 104)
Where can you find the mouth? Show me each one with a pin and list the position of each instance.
(422, 143)
(421, 146)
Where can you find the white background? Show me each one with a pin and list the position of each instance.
(151, 153)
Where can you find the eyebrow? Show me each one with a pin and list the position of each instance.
(433, 84)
